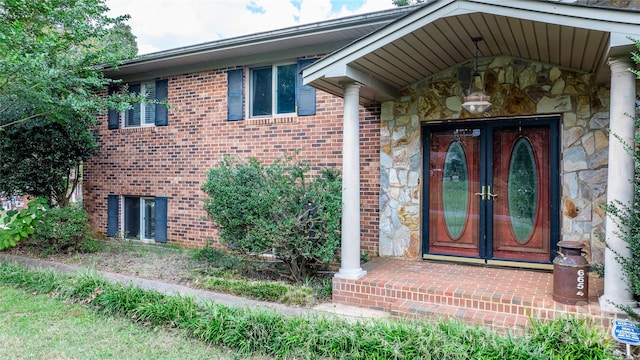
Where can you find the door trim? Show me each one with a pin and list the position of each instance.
(554, 123)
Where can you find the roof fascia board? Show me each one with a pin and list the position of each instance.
(606, 20)
(616, 21)
(550, 8)
(341, 24)
(224, 63)
(365, 79)
(370, 42)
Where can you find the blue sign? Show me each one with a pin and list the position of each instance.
(625, 331)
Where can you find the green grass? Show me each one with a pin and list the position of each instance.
(237, 275)
(261, 290)
(40, 327)
(252, 332)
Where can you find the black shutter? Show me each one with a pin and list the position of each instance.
(114, 116)
(134, 113)
(305, 94)
(113, 203)
(161, 219)
(162, 93)
(234, 94)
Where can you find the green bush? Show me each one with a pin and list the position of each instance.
(64, 230)
(277, 209)
(18, 225)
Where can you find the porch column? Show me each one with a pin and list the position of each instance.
(619, 187)
(350, 261)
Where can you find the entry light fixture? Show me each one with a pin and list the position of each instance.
(476, 102)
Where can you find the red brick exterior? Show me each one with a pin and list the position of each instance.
(172, 160)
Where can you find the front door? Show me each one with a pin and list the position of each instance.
(492, 191)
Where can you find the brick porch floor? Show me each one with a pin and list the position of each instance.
(498, 298)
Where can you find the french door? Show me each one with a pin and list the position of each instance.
(491, 191)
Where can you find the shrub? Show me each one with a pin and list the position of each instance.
(18, 225)
(277, 209)
(64, 230)
(251, 331)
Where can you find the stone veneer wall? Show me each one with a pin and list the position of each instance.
(517, 88)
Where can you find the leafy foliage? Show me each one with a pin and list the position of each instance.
(19, 224)
(570, 338)
(64, 230)
(252, 331)
(628, 215)
(276, 209)
(50, 58)
(44, 158)
(400, 3)
(52, 54)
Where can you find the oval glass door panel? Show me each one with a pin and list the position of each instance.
(522, 190)
(455, 189)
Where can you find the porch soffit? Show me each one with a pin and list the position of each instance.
(438, 36)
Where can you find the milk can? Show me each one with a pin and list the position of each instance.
(570, 274)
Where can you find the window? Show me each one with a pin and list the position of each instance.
(146, 113)
(142, 114)
(139, 218)
(273, 90)
(143, 218)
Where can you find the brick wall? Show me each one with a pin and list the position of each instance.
(173, 160)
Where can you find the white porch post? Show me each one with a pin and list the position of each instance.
(350, 261)
(621, 172)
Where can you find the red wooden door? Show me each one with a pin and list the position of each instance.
(454, 175)
(489, 193)
(521, 226)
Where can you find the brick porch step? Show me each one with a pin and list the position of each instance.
(493, 297)
(501, 322)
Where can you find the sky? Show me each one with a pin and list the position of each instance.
(166, 24)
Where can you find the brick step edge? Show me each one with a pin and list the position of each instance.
(492, 320)
(497, 302)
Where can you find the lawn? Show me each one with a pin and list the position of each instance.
(248, 332)
(40, 327)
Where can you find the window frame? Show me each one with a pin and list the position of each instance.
(142, 106)
(274, 89)
(117, 120)
(142, 200)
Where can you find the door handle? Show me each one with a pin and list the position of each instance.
(490, 195)
(482, 194)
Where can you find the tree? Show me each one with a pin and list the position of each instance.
(121, 39)
(51, 53)
(43, 158)
(400, 3)
(51, 89)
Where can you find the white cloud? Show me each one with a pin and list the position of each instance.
(165, 24)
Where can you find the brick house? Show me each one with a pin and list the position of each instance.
(146, 182)
(385, 97)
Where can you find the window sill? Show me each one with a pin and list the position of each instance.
(292, 119)
(137, 129)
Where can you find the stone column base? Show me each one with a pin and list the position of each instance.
(611, 305)
(351, 274)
